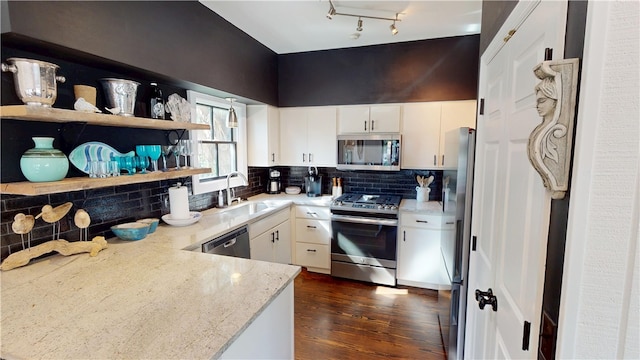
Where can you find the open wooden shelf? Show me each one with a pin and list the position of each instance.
(40, 113)
(85, 183)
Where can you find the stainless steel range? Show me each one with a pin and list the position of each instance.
(363, 243)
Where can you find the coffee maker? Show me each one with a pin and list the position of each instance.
(274, 184)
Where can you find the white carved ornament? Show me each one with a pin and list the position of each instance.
(551, 142)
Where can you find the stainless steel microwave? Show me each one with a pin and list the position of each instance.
(369, 152)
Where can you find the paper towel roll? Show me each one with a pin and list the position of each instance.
(179, 202)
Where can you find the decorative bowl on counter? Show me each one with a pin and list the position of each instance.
(131, 231)
(193, 218)
(292, 190)
(153, 223)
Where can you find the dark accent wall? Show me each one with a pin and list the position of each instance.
(426, 70)
(183, 41)
(494, 14)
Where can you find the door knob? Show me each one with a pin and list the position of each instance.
(486, 297)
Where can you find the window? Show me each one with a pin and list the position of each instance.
(221, 149)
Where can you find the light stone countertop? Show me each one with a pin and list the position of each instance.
(142, 299)
(427, 208)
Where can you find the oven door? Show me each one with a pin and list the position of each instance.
(364, 240)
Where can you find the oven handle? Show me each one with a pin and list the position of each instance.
(364, 220)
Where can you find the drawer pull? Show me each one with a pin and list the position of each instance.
(311, 227)
(449, 223)
(311, 250)
(422, 221)
(312, 213)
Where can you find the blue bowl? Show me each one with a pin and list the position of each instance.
(153, 224)
(131, 231)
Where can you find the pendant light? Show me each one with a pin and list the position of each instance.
(232, 118)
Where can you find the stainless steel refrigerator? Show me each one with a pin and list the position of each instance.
(457, 185)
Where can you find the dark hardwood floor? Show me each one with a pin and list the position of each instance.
(343, 319)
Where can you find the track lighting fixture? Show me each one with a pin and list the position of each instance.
(333, 11)
(232, 118)
(393, 28)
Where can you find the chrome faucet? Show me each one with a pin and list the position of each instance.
(245, 182)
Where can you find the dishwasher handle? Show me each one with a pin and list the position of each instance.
(227, 240)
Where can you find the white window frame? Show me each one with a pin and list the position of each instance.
(201, 187)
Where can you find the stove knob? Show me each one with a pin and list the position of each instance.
(339, 203)
(393, 207)
(380, 207)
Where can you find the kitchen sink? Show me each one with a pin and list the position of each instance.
(247, 210)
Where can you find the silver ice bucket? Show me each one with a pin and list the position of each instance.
(120, 95)
(34, 80)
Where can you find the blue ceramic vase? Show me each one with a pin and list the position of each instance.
(44, 163)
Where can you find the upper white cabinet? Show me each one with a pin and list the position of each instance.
(369, 119)
(308, 136)
(424, 126)
(263, 135)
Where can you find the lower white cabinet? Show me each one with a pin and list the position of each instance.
(270, 335)
(420, 261)
(271, 238)
(313, 238)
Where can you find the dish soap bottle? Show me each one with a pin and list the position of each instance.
(220, 199)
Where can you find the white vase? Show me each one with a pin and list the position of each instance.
(422, 194)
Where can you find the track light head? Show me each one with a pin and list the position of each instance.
(359, 28)
(332, 11)
(393, 28)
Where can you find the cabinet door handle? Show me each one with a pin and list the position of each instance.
(365, 125)
(310, 157)
(442, 160)
(435, 160)
(311, 250)
(278, 235)
(304, 157)
(422, 221)
(273, 157)
(311, 227)
(404, 236)
(273, 237)
(373, 122)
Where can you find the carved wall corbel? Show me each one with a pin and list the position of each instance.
(550, 143)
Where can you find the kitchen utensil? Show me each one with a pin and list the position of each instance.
(194, 218)
(292, 190)
(120, 94)
(131, 231)
(34, 80)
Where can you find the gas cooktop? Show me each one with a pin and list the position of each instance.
(387, 204)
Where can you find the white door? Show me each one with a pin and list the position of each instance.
(353, 119)
(511, 206)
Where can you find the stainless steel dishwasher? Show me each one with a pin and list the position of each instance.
(234, 243)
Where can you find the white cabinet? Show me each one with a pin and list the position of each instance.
(271, 238)
(313, 238)
(308, 136)
(263, 135)
(369, 119)
(420, 261)
(424, 126)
